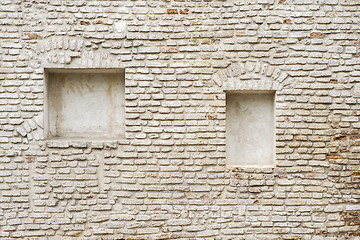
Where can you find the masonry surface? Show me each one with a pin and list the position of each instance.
(167, 178)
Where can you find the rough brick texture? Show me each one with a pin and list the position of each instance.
(168, 178)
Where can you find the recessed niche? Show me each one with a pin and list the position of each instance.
(85, 103)
(250, 128)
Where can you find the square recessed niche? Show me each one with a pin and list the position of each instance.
(85, 103)
(250, 129)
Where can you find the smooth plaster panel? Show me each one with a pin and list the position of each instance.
(250, 129)
(85, 105)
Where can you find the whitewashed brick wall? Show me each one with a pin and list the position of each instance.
(167, 178)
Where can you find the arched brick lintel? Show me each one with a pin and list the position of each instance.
(252, 75)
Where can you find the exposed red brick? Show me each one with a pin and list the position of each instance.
(351, 218)
(236, 169)
(287, 21)
(185, 11)
(340, 138)
(212, 116)
(335, 179)
(169, 49)
(354, 131)
(32, 35)
(343, 150)
(333, 80)
(98, 22)
(172, 11)
(316, 35)
(84, 23)
(321, 231)
(333, 156)
(355, 179)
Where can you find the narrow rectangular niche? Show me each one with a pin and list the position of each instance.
(250, 128)
(85, 103)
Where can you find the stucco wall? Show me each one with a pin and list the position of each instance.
(167, 178)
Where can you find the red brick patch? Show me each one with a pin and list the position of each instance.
(175, 11)
(84, 23)
(172, 11)
(340, 138)
(98, 22)
(32, 35)
(287, 21)
(185, 11)
(316, 35)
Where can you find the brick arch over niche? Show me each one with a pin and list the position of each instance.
(252, 75)
(68, 52)
(56, 52)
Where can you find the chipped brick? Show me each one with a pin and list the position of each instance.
(317, 35)
(172, 11)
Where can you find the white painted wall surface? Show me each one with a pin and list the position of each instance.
(86, 105)
(250, 129)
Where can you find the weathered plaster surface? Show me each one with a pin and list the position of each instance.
(167, 177)
(250, 129)
(85, 105)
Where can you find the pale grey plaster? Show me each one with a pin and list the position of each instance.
(250, 129)
(85, 105)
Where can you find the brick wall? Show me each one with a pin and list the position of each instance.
(168, 178)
